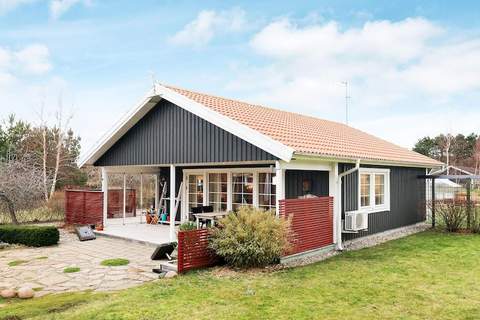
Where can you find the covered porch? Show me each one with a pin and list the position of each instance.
(131, 191)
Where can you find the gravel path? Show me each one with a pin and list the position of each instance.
(360, 243)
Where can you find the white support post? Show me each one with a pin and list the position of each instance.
(124, 196)
(255, 190)
(279, 185)
(172, 203)
(333, 192)
(105, 195)
(229, 191)
(156, 192)
(141, 197)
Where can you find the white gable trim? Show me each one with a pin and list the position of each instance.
(160, 92)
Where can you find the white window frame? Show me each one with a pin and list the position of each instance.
(229, 171)
(372, 207)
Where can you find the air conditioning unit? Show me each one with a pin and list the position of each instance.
(356, 221)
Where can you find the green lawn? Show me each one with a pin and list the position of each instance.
(425, 276)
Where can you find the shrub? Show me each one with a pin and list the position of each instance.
(186, 226)
(32, 236)
(475, 223)
(250, 238)
(453, 215)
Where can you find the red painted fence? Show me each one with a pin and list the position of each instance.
(84, 207)
(311, 222)
(193, 251)
(115, 203)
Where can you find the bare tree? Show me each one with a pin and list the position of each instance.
(446, 142)
(476, 156)
(20, 185)
(62, 127)
(50, 177)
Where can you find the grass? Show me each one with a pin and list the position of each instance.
(40, 214)
(15, 263)
(425, 276)
(41, 258)
(71, 270)
(115, 262)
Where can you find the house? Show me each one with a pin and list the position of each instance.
(226, 153)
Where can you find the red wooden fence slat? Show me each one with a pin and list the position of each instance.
(311, 222)
(193, 251)
(84, 207)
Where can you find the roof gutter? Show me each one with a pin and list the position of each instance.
(338, 224)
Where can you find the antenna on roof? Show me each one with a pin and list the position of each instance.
(154, 81)
(345, 83)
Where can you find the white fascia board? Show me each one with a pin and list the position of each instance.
(312, 164)
(234, 127)
(120, 128)
(309, 156)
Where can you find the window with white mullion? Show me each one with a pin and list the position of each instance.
(374, 188)
(267, 193)
(242, 189)
(217, 191)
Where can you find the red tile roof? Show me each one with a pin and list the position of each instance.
(309, 135)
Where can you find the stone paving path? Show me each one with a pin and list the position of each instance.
(43, 267)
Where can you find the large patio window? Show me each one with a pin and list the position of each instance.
(217, 191)
(266, 191)
(374, 190)
(195, 191)
(242, 189)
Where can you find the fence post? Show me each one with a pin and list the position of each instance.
(433, 202)
(469, 203)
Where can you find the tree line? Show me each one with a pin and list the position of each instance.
(457, 150)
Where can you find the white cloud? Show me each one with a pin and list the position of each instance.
(59, 7)
(34, 59)
(208, 24)
(393, 68)
(31, 60)
(8, 5)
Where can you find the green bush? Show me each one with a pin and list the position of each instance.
(186, 226)
(32, 236)
(453, 215)
(250, 238)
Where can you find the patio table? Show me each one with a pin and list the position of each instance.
(212, 216)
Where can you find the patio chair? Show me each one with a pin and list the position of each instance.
(207, 209)
(194, 211)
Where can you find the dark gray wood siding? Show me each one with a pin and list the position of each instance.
(407, 194)
(294, 183)
(169, 134)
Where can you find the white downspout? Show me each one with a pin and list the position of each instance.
(339, 204)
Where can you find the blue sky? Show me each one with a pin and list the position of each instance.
(413, 67)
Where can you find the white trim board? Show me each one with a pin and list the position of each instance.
(236, 128)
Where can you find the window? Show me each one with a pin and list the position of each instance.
(217, 191)
(266, 191)
(242, 189)
(195, 191)
(374, 190)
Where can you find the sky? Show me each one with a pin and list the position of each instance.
(412, 67)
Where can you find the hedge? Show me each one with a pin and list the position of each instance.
(32, 236)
